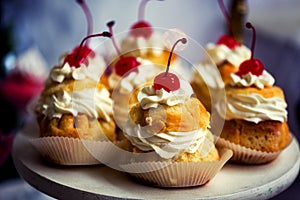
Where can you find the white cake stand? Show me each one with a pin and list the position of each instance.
(101, 182)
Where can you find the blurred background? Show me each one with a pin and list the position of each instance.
(35, 33)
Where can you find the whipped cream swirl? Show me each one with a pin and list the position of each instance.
(249, 79)
(166, 145)
(95, 68)
(220, 53)
(253, 107)
(93, 102)
(148, 97)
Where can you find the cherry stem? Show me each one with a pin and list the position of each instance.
(250, 26)
(226, 15)
(183, 41)
(88, 16)
(110, 25)
(141, 13)
(142, 6)
(104, 34)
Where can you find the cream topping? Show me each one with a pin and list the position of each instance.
(249, 79)
(253, 107)
(166, 145)
(220, 53)
(94, 70)
(148, 97)
(93, 102)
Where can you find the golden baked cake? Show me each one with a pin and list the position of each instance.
(256, 115)
(180, 118)
(266, 136)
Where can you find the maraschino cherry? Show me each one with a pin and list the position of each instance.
(125, 63)
(141, 28)
(166, 80)
(227, 40)
(253, 66)
(80, 53)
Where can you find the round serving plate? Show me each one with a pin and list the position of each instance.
(101, 182)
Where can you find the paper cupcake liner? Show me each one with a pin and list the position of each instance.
(177, 174)
(244, 155)
(73, 151)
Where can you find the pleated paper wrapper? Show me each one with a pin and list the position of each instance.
(244, 155)
(177, 174)
(73, 151)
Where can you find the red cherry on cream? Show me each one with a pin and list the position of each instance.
(125, 63)
(228, 41)
(169, 82)
(79, 54)
(253, 66)
(76, 61)
(141, 29)
(166, 80)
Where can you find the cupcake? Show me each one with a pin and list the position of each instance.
(256, 118)
(226, 54)
(75, 107)
(168, 131)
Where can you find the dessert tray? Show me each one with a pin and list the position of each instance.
(101, 182)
